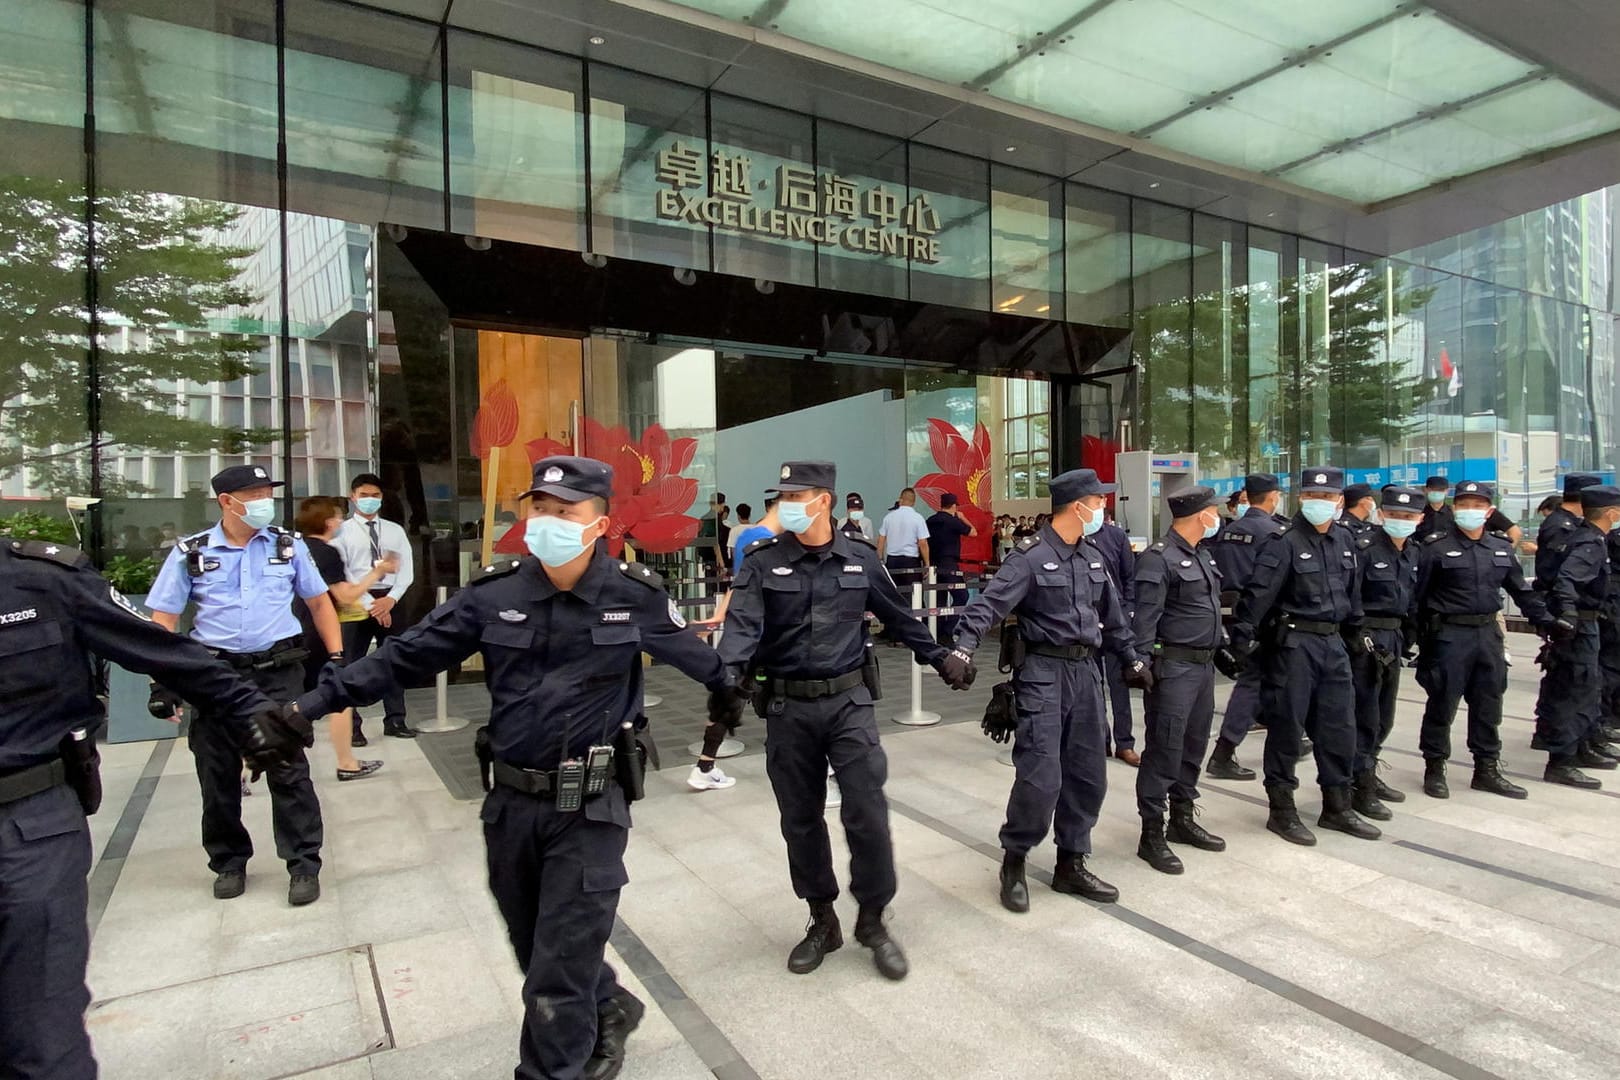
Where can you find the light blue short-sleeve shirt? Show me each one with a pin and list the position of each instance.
(243, 598)
(902, 528)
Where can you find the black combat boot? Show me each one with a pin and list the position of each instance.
(1337, 814)
(1365, 800)
(1488, 777)
(1071, 876)
(1434, 778)
(822, 936)
(1593, 758)
(1570, 776)
(1385, 792)
(1284, 819)
(1223, 763)
(1184, 829)
(1154, 851)
(615, 1020)
(1014, 889)
(886, 954)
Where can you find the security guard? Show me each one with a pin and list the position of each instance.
(54, 612)
(1552, 541)
(561, 636)
(242, 576)
(1067, 607)
(1609, 654)
(1462, 571)
(1360, 511)
(1234, 551)
(1571, 698)
(1178, 623)
(1301, 615)
(797, 620)
(1389, 562)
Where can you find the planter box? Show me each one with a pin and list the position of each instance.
(127, 718)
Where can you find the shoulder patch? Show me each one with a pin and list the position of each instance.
(499, 568)
(643, 574)
(57, 553)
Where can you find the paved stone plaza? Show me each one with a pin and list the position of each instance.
(1479, 938)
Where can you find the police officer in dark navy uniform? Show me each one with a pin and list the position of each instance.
(1608, 736)
(561, 635)
(1571, 698)
(54, 613)
(1552, 541)
(1178, 623)
(1058, 585)
(1462, 571)
(797, 622)
(1301, 616)
(1234, 550)
(1389, 562)
(1360, 511)
(1437, 516)
(242, 575)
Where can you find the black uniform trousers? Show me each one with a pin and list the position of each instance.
(802, 738)
(1177, 717)
(357, 639)
(1243, 705)
(1119, 702)
(1609, 661)
(44, 938)
(1377, 678)
(1464, 663)
(1060, 755)
(556, 878)
(1307, 691)
(295, 813)
(1571, 695)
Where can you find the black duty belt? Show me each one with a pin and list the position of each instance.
(1381, 622)
(811, 689)
(1310, 626)
(284, 653)
(1181, 652)
(1588, 616)
(1486, 619)
(528, 781)
(1060, 652)
(32, 780)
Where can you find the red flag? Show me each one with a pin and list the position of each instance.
(1450, 373)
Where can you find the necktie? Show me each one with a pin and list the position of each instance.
(376, 546)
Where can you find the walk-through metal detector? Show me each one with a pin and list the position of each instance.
(1145, 479)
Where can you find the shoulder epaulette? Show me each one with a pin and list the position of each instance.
(1157, 545)
(1500, 535)
(643, 574)
(762, 542)
(44, 549)
(1435, 537)
(195, 538)
(1028, 542)
(1286, 529)
(277, 530)
(499, 568)
(859, 538)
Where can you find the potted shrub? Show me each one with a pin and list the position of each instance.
(127, 718)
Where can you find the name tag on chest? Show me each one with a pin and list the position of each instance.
(615, 616)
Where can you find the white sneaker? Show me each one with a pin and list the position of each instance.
(713, 780)
(835, 797)
(1507, 657)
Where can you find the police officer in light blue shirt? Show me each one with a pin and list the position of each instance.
(242, 575)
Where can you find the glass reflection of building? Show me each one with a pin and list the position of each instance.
(1488, 356)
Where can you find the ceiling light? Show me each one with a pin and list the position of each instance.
(1010, 149)
(1011, 300)
(1043, 309)
(1154, 184)
(598, 39)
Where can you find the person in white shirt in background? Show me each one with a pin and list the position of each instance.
(365, 539)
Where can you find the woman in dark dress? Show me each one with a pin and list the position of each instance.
(319, 519)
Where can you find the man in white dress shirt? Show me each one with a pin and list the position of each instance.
(364, 539)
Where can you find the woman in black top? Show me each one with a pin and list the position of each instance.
(319, 519)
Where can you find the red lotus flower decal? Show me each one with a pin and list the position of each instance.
(964, 471)
(650, 496)
(496, 422)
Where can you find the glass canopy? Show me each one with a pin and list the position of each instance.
(1362, 99)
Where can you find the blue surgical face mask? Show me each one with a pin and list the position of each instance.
(1436, 498)
(1211, 530)
(368, 505)
(555, 541)
(1472, 519)
(1400, 530)
(856, 515)
(1092, 524)
(795, 517)
(257, 513)
(1318, 511)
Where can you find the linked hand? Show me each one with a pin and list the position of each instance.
(277, 737)
(726, 705)
(1561, 630)
(164, 703)
(956, 668)
(1229, 663)
(1139, 676)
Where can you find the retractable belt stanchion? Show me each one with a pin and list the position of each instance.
(442, 720)
(917, 717)
(729, 746)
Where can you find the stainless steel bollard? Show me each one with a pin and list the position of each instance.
(442, 720)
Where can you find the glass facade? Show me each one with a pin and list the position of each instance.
(221, 281)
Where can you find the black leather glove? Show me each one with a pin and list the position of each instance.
(1139, 676)
(1358, 641)
(277, 737)
(164, 703)
(1229, 663)
(726, 705)
(1246, 649)
(956, 668)
(1561, 630)
(1001, 715)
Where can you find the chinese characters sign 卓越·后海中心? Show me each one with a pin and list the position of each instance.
(821, 208)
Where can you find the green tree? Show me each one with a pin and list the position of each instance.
(160, 268)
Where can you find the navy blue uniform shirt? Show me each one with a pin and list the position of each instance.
(1459, 576)
(945, 532)
(1388, 577)
(1115, 543)
(1235, 547)
(1582, 583)
(563, 668)
(55, 611)
(1178, 596)
(1061, 593)
(801, 614)
(1551, 539)
(1304, 573)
